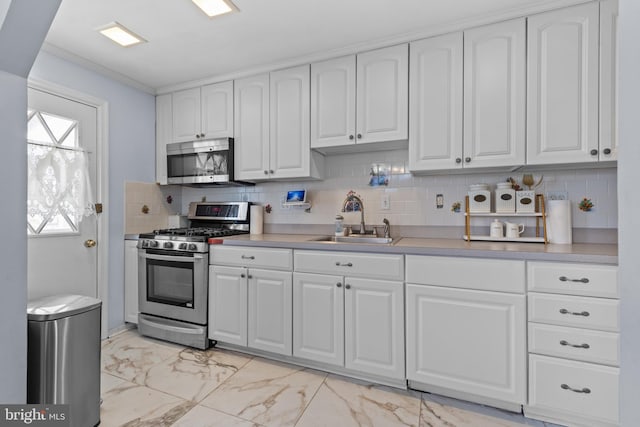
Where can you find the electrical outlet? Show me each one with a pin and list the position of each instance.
(385, 202)
(439, 201)
(557, 195)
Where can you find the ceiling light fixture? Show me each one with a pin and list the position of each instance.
(120, 34)
(216, 7)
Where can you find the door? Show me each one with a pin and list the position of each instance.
(217, 110)
(269, 317)
(374, 327)
(435, 136)
(468, 341)
(562, 76)
(333, 102)
(290, 155)
(62, 247)
(383, 94)
(186, 115)
(251, 127)
(494, 95)
(318, 317)
(228, 304)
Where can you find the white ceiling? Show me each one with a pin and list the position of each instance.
(185, 45)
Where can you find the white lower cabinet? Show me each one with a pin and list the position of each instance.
(347, 321)
(465, 342)
(131, 281)
(251, 306)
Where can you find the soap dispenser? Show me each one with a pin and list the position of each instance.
(339, 231)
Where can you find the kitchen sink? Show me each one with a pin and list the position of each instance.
(355, 238)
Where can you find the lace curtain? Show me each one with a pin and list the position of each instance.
(58, 183)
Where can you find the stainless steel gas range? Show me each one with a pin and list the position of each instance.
(173, 278)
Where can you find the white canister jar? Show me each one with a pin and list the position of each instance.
(496, 230)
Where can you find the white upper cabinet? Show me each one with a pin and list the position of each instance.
(492, 107)
(494, 95)
(435, 102)
(164, 135)
(251, 127)
(562, 98)
(333, 102)
(608, 77)
(203, 113)
(360, 99)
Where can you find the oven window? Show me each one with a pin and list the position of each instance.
(170, 282)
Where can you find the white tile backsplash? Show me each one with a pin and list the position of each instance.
(413, 198)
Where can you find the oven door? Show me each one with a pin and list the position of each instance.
(200, 162)
(173, 285)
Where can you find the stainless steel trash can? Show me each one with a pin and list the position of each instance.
(63, 355)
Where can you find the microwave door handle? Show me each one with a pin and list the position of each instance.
(195, 258)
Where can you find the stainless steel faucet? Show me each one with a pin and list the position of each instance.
(354, 198)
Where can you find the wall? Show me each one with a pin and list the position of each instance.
(155, 198)
(629, 176)
(413, 198)
(13, 257)
(131, 152)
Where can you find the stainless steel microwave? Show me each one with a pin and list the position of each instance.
(201, 162)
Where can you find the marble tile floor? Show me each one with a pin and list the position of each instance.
(146, 382)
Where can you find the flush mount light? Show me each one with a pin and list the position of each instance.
(120, 34)
(216, 7)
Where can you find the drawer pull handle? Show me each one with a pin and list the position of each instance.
(575, 313)
(563, 342)
(582, 390)
(566, 279)
(339, 264)
(248, 257)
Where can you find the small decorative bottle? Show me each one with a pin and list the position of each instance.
(339, 225)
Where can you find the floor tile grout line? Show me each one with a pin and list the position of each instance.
(326, 375)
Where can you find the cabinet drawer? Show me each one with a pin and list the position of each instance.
(376, 266)
(583, 390)
(582, 312)
(573, 279)
(468, 273)
(272, 258)
(573, 343)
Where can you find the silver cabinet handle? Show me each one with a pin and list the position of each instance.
(350, 137)
(347, 286)
(563, 342)
(575, 313)
(249, 276)
(582, 390)
(248, 257)
(359, 136)
(607, 151)
(566, 279)
(458, 160)
(339, 284)
(271, 171)
(266, 172)
(348, 264)
(467, 159)
(243, 276)
(593, 152)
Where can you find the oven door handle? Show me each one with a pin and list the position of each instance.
(193, 259)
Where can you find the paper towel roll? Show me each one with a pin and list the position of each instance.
(256, 215)
(559, 221)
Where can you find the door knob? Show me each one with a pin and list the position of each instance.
(90, 243)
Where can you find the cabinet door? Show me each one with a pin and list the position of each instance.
(467, 341)
(290, 120)
(269, 317)
(217, 110)
(608, 77)
(131, 281)
(333, 102)
(318, 317)
(435, 135)
(164, 135)
(228, 304)
(251, 127)
(494, 95)
(374, 327)
(562, 101)
(383, 94)
(186, 115)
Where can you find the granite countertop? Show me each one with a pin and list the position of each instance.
(579, 252)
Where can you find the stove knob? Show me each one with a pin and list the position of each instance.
(182, 246)
(144, 244)
(168, 245)
(153, 243)
(193, 247)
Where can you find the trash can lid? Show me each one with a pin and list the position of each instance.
(59, 306)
